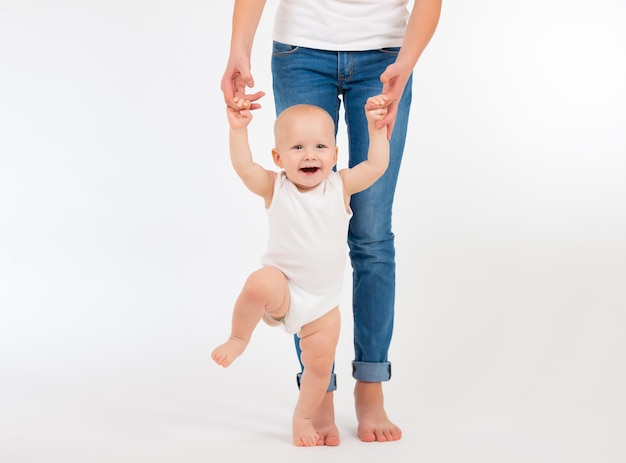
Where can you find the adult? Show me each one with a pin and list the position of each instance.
(328, 53)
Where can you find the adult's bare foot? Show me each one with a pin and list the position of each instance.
(324, 422)
(374, 425)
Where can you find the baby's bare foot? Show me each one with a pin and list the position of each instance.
(225, 354)
(374, 426)
(324, 422)
(304, 434)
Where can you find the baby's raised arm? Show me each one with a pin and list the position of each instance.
(256, 178)
(364, 174)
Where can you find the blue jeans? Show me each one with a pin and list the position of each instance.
(326, 79)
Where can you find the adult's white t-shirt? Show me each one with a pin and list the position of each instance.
(341, 25)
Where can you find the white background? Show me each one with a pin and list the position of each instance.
(125, 237)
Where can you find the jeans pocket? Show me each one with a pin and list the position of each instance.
(280, 49)
(390, 50)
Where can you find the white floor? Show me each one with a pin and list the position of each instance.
(144, 390)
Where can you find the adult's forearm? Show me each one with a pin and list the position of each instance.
(246, 17)
(420, 29)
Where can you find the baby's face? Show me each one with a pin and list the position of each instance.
(305, 148)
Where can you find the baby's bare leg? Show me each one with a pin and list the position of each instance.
(318, 341)
(265, 290)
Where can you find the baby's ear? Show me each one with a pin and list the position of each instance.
(276, 157)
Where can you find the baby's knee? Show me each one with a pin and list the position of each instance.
(317, 364)
(256, 286)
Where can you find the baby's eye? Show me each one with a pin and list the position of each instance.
(320, 146)
(297, 147)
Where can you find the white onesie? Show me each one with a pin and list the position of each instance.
(308, 243)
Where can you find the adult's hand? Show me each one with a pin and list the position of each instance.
(394, 80)
(236, 78)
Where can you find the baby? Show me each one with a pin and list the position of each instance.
(308, 206)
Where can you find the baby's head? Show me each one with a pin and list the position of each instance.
(305, 145)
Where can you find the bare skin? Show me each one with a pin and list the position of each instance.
(324, 422)
(318, 341)
(266, 291)
(374, 426)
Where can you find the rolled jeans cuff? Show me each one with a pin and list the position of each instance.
(371, 372)
(332, 386)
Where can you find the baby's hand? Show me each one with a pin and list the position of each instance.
(239, 118)
(375, 108)
(242, 103)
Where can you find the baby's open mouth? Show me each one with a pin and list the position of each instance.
(310, 170)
